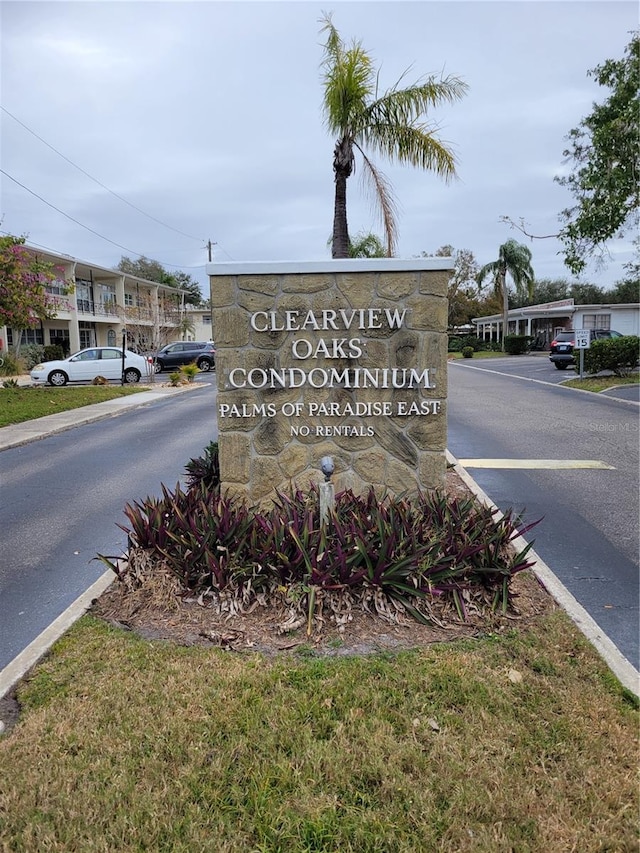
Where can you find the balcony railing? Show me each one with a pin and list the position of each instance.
(87, 306)
(142, 314)
(62, 303)
(128, 314)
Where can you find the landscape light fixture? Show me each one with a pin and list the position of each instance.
(328, 467)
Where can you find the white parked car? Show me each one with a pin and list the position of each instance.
(85, 365)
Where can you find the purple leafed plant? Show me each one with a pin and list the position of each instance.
(407, 548)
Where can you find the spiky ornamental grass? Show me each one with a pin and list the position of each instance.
(390, 554)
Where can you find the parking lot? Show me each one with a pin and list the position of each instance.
(538, 368)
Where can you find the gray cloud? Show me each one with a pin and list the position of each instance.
(207, 116)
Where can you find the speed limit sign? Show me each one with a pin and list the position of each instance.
(583, 339)
(583, 342)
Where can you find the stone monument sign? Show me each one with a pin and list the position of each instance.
(338, 358)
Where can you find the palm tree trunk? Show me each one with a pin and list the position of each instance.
(505, 305)
(342, 166)
(340, 243)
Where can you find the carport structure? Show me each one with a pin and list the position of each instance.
(544, 321)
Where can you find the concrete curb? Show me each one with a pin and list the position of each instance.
(623, 669)
(30, 656)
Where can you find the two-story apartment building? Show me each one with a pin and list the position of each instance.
(102, 304)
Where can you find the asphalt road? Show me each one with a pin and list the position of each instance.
(63, 497)
(505, 409)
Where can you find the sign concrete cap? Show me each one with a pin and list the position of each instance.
(338, 265)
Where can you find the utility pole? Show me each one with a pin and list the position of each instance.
(209, 245)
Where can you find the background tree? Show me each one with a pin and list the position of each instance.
(24, 301)
(184, 281)
(604, 178)
(514, 260)
(186, 326)
(603, 152)
(464, 294)
(152, 270)
(624, 291)
(387, 124)
(586, 293)
(544, 290)
(582, 293)
(366, 246)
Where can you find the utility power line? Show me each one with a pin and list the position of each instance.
(86, 227)
(95, 180)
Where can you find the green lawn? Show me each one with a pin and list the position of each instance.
(601, 383)
(514, 742)
(480, 354)
(25, 403)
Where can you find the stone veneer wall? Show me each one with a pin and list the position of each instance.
(258, 453)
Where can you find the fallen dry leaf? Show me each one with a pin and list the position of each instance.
(514, 676)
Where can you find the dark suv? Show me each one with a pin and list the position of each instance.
(562, 345)
(203, 353)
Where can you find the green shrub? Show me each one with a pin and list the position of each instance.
(475, 342)
(32, 354)
(189, 371)
(10, 365)
(467, 352)
(516, 344)
(619, 355)
(458, 342)
(53, 352)
(205, 469)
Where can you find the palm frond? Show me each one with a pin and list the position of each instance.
(333, 45)
(490, 269)
(404, 106)
(415, 146)
(349, 82)
(381, 195)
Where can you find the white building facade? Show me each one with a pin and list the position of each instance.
(543, 322)
(96, 305)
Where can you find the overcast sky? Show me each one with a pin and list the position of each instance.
(206, 117)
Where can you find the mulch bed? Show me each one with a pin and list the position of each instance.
(157, 611)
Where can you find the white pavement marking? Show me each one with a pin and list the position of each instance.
(534, 463)
(459, 363)
(623, 669)
(20, 665)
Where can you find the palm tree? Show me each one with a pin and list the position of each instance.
(366, 246)
(514, 260)
(388, 124)
(186, 326)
